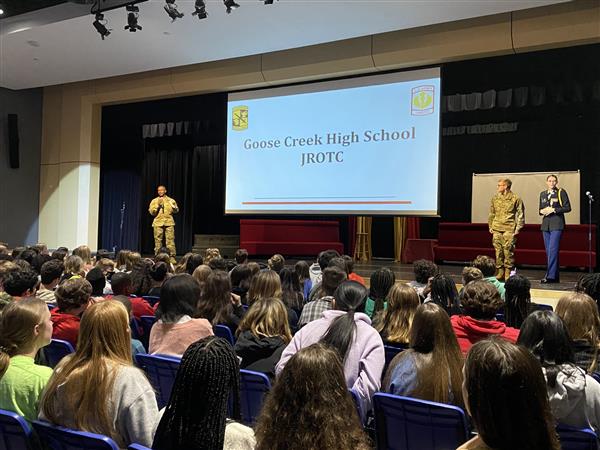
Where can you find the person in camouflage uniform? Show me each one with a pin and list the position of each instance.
(507, 217)
(163, 208)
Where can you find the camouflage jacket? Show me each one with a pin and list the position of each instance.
(163, 216)
(507, 212)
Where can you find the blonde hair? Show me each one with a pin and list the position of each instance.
(267, 317)
(132, 258)
(105, 264)
(210, 254)
(264, 284)
(579, 312)
(395, 321)
(86, 378)
(201, 273)
(276, 262)
(74, 265)
(17, 324)
(84, 252)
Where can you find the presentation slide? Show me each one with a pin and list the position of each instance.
(366, 145)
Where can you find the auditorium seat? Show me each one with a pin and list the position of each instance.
(223, 331)
(15, 433)
(61, 438)
(576, 438)
(161, 371)
(253, 387)
(57, 350)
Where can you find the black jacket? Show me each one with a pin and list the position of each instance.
(259, 354)
(559, 200)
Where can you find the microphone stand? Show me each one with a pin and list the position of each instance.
(590, 200)
(121, 226)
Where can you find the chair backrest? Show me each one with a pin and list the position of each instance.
(404, 423)
(147, 322)
(161, 371)
(390, 353)
(596, 376)
(15, 433)
(356, 401)
(543, 307)
(61, 438)
(576, 438)
(136, 329)
(137, 447)
(56, 350)
(152, 299)
(223, 331)
(253, 387)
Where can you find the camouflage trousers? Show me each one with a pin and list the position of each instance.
(504, 244)
(168, 232)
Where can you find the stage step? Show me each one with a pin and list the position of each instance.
(227, 244)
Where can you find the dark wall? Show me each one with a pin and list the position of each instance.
(20, 188)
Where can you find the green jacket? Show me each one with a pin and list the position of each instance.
(163, 217)
(507, 212)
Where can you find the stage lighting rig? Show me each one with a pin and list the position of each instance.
(132, 18)
(200, 7)
(230, 5)
(172, 11)
(100, 25)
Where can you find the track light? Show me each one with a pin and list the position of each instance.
(268, 2)
(132, 18)
(100, 25)
(230, 4)
(200, 7)
(172, 11)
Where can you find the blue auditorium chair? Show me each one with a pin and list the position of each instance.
(223, 331)
(61, 438)
(161, 371)
(15, 433)
(253, 387)
(56, 350)
(576, 438)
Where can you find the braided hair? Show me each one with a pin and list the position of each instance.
(381, 282)
(196, 414)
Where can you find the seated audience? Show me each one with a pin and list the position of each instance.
(97, 389)
(73, 268)
(579, 312)
(217, 304)
(165, 258)
(196, 416)
(393, 323)
(21, 283)
(302, 269)
(84, 252)
(98, 282)
(192, 262)
(241, 256)
(292, 294)
(6, 267)
(254, 267)
(267, 284)
(424, 270)
(443, 292)
(25, 327)
(201, 273)
(574, 396)
(332, 278)
(210, 254)
(141, 281)
(469, 274)
(316, 292)
(122, 260)
(176, 328)
(480, 304)
(72, 299)
(136, 345)
(590, 284)
(431, 369)
(276, 263)
(487, 266)
(350, 270)
(263, 333)
(60, 254)
(504, 394)
(158, 273)
(182, 265)
(517, 305)
(298, 416)
(240, 277)
(381, 282)
(218, 264)
(316, 269)
(348, 330)
(108, 269)
(132, 259)
(122, 285)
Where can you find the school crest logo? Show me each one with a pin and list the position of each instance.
(421, 103)
(239, 119)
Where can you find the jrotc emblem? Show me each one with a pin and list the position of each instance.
(240, 118)
(421, 102)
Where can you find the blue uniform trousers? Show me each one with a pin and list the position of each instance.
(552, 244)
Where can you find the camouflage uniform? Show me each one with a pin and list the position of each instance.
(163, 223)
(507, 216)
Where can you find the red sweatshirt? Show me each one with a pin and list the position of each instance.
(469, 331)
(65, 326)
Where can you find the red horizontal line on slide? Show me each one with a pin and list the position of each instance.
(399, 202)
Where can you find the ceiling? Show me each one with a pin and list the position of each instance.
(58, 44)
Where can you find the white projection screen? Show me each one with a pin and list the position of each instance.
(353, 146)
(528, 186)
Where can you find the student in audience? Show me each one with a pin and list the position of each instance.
(480, 304)
(122, 259)
(332, 278)
(73, 268)
(393, 323)
(310, 407)
(424, 270)
(218, 264)
(96, 279)
(122, 285)
(292, 291)
(25, 327)
(158, 274)
(6, 267)
(381, 282)
(196, 416)
(193, 261)
(241, 256)
(518, 303)
(176, 328)
(443, 293)
(254, 267)
(165, 258)
(60, 254)
(590, 285)
(84, 252)
(347, 329)
(240, 277)
(132, 259)
(579, 312)
(210, 254)
(316, 269)
(136, 345)
(108, 269)
(432, 368)
(72, 299)
(97, 389)
(469, 274)
(350, 270)
(504, 392)
(276, 262)
(267, 284)
(316, 291)
(574, 396)
(201, 273)
(21, 283)
(141, 281)
(487, 266)
(263, 333)
(302, 269)
(217, 304)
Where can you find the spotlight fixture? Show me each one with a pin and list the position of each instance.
(100, 25)
(200, 7)
(132, 18)
(268, 2)
(230, 4)
(172, 11)
(1, 11)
